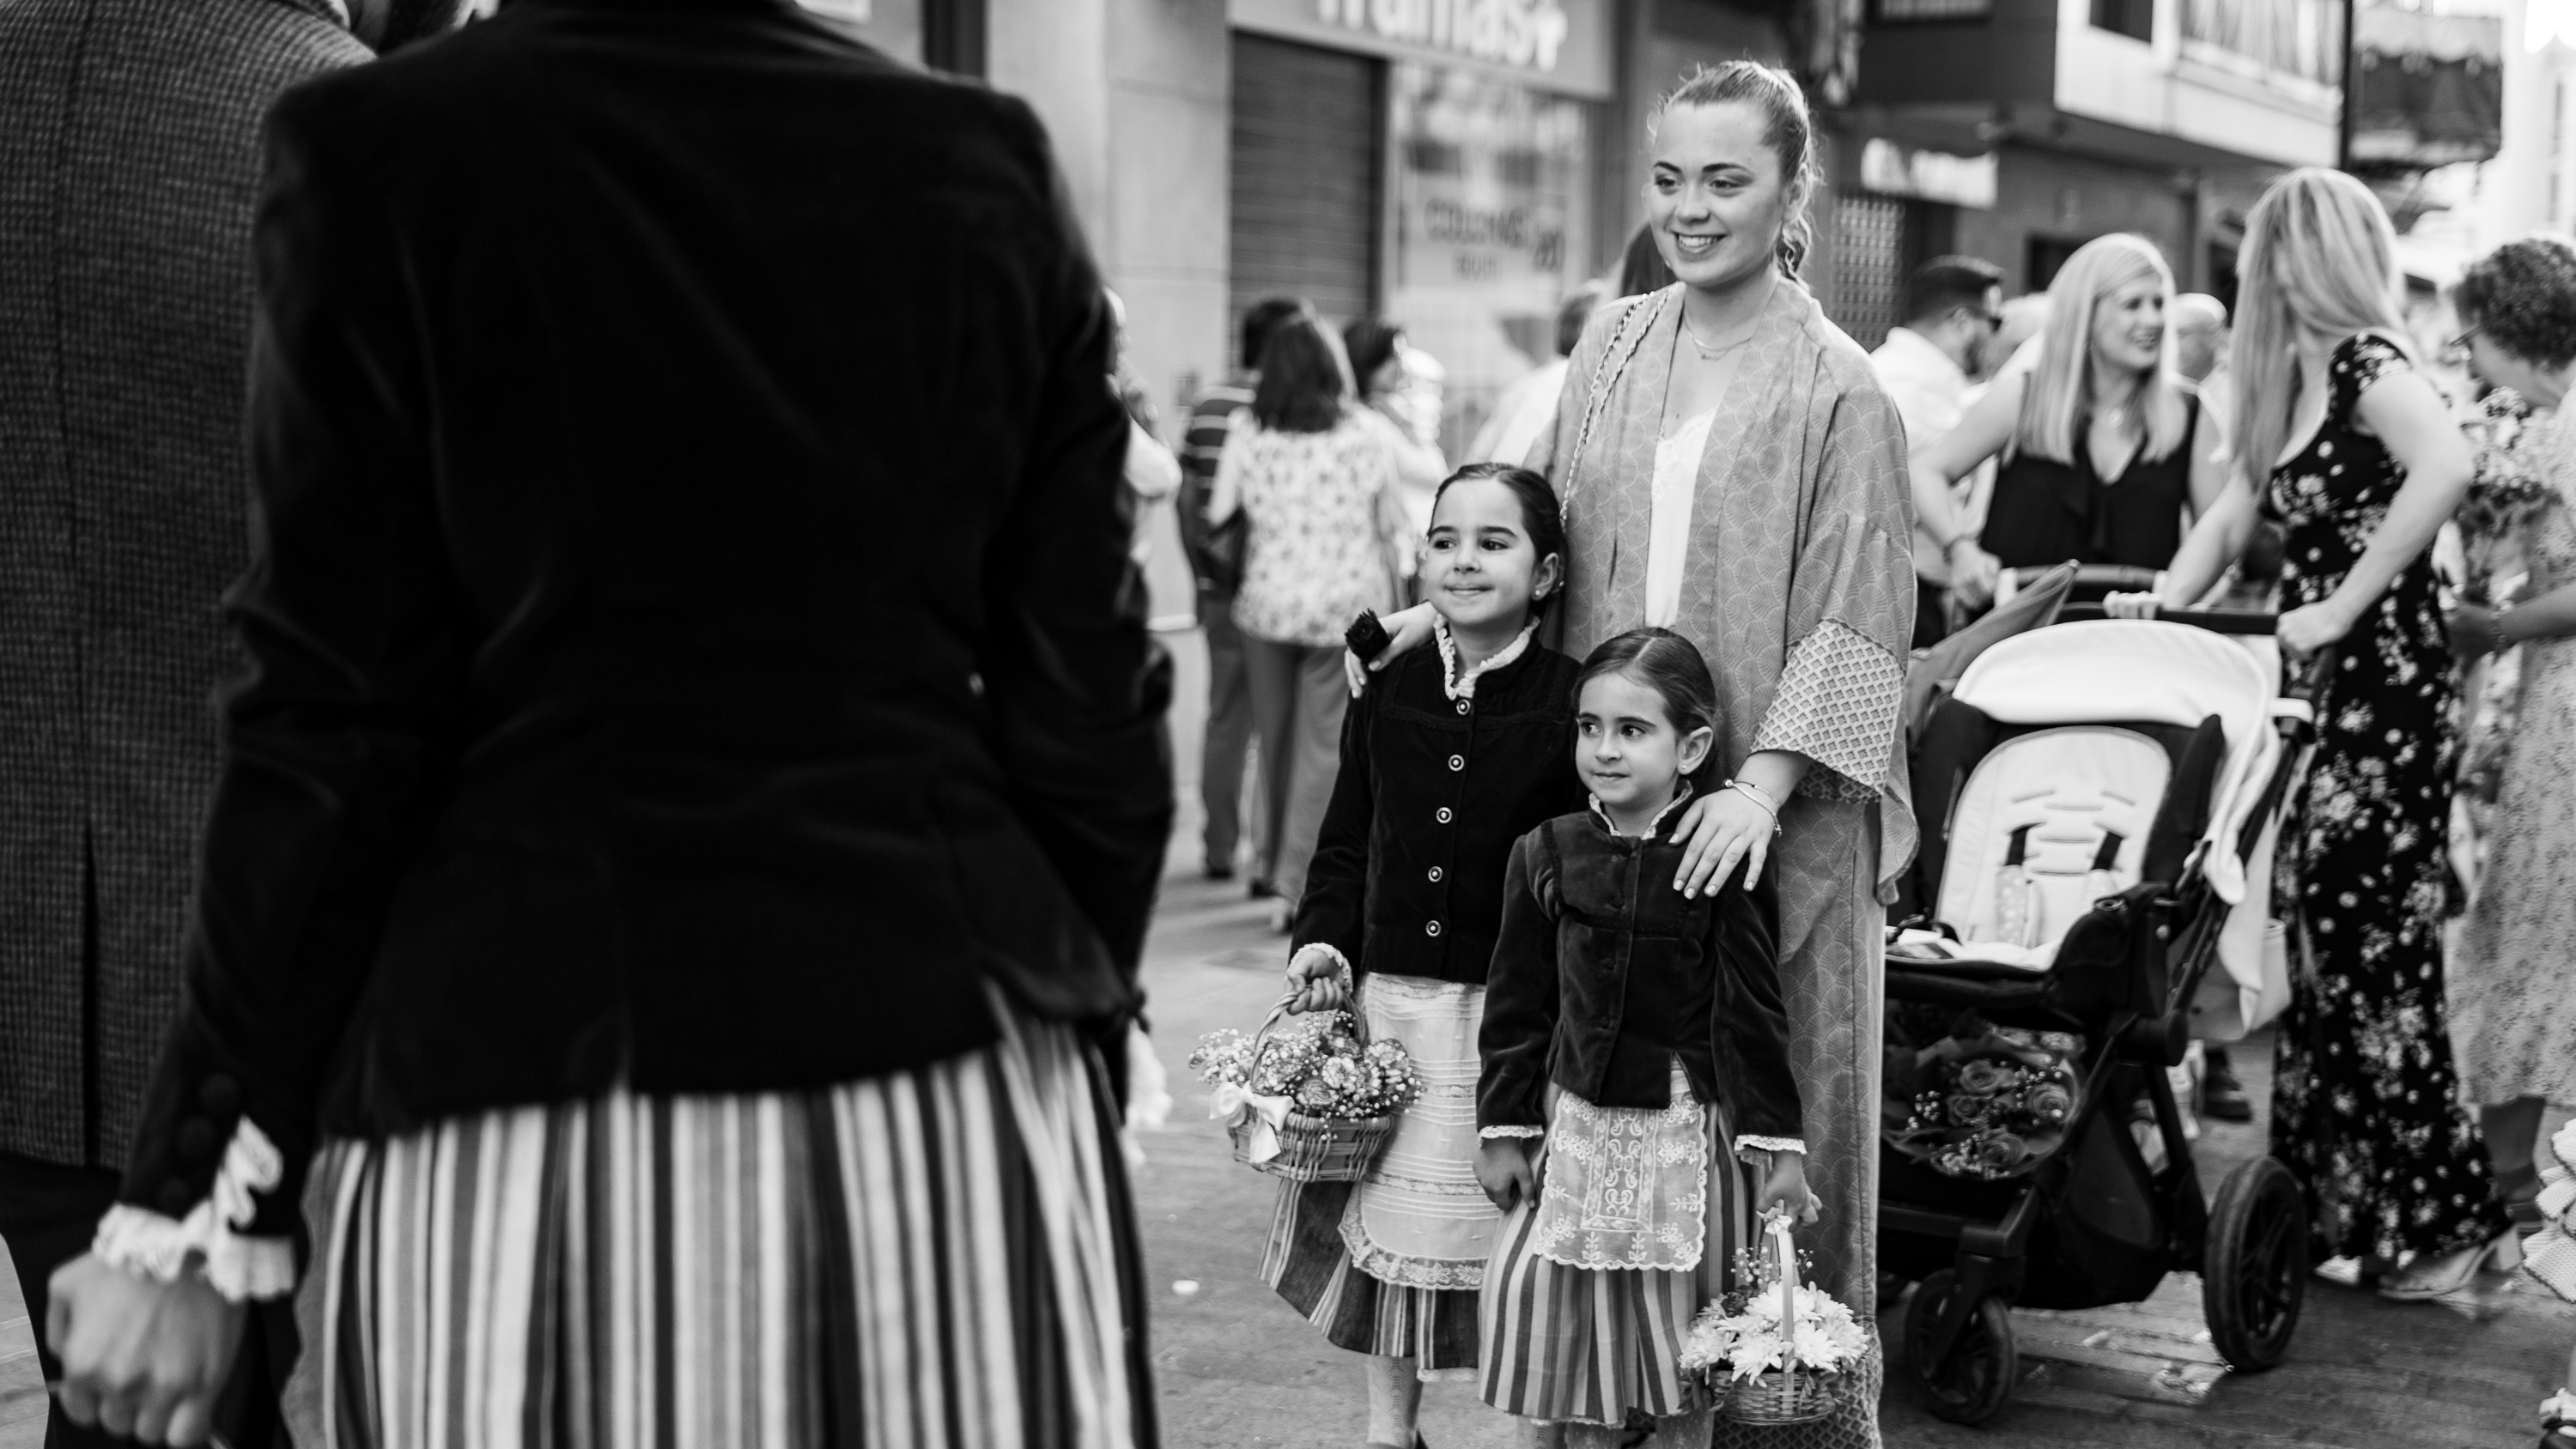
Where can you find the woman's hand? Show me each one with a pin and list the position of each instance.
(1407, 629)
(141, 1358)
(2473, 632)
(1973, 573)
(2304, 631)
(1503, 1171)
(1315, 974)
(2131, 606)
(1785, 1185)
(1719, 829)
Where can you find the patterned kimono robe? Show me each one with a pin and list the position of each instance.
(1798, 587)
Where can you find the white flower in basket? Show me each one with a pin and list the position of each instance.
(1777, 1351)
(1311, 1100)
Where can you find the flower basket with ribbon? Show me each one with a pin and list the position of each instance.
(1307, 1098)
(1775, 1351)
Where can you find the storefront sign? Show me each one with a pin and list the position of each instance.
(1557, 45)
(1893, 170)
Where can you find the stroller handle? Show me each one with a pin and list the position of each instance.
(2216, 621)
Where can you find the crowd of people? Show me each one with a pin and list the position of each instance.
(646, 949)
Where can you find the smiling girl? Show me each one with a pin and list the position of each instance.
(2101, 440)
(1453, 757)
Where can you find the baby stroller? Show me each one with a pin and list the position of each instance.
(2098, 802)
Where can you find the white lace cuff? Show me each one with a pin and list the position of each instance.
(1490, 1133)
(1838, 702)
(236, 1266)
(1771, 1144)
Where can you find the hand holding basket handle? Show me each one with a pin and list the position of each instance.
(1317, 981)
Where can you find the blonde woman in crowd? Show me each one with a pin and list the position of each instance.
(2101, 444)
(2346, 445)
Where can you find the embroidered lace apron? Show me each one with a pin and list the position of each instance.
(1626, 1187)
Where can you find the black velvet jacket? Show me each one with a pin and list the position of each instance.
(1407, 876)
(1604, 974)
(694, 641)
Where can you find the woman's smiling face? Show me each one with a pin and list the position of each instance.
(1717, 198)
(2129, 326)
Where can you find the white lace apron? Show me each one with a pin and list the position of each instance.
(1418, 1220)
(1626, 1187)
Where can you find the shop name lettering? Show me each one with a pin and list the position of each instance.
(1451, 224)
(1522, 33)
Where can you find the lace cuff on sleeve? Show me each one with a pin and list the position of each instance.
(1838, 702)
(1492, 1132)
(236, 1266)
(1771, 1144)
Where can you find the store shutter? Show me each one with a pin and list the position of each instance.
(1307, 176)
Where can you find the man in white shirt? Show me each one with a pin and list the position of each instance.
(1953, 307)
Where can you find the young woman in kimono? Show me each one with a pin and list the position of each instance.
(1731, 471)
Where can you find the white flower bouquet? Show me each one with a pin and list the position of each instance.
(1312, 1100)
(1774, 1350)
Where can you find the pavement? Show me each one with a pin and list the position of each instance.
(1235, 1367)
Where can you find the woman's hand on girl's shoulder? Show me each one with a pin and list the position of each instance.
(1719, 830)
(1407, 630)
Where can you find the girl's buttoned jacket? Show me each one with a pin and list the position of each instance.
(1407, 876)
(1604, 974)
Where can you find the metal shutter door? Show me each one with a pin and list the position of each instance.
(1307, 166)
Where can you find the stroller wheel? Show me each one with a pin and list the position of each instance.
(1978, 1378)
(2256, 1275)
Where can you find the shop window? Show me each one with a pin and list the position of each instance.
(1492, 202)
(2135, 19)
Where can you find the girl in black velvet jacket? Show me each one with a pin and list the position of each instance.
(1639, 1034)
(1451, 757)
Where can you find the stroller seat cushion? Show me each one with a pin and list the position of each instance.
(2059, 817)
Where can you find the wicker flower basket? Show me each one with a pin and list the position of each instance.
(1789, 1395)
(1314, 1149)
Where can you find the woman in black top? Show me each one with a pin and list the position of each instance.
(2101, 441)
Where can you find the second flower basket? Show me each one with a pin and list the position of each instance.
(1307, 1098)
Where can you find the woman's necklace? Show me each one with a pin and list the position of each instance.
(1707, 350)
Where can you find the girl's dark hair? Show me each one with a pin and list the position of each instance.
(1539, 516)
(1670, 665)
(1788, 129)
(1302, 384)
(1642, 270)
(1372, 346)
(2523, 294)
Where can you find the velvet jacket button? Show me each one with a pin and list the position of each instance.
(1431, 929)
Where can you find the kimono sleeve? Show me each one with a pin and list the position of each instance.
(1851, 606)
(1520, 1000)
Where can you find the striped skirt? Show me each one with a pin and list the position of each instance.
(1589, 1345)
(939, 1258)
(1391, 1265)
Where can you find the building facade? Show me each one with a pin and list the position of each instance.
(2018, 130)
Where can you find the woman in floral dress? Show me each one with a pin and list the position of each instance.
(2513, 1002)
(2353, 452)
